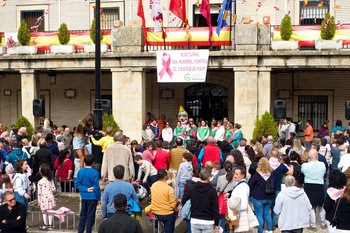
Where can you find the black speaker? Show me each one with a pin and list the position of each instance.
(38, 107)
(279, 109)
(106, 106)
(347, 109)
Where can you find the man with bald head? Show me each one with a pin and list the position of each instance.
(313, 171)
(210, 152)
(268, 146)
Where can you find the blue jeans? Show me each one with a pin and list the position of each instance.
(188, 223)
(87, 215)
(262, 212)
(168, 221)
(308, 144)
(273, 215)
(181, 188)
(21, 199)
(222, 221)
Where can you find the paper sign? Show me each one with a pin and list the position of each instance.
(182, 66)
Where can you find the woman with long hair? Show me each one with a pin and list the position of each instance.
(225, 185)
(64, 170)
(254, 165)
(323, 131)
(297, 147)
(298, 175)
(79, 141)
(262, 201)
(344, 211)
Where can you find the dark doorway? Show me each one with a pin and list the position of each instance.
(206, 100)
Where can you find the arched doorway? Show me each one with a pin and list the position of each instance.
(206, 100)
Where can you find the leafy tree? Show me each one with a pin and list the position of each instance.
(23, 34)
(286, 27)
(93, 31)
(328, 27)
(108, 120)
(265, 125)
(23, 122)
(63, 34)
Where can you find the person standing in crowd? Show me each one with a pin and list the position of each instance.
(79, 144)
(323, 131)
(344, 211)
(184, 173)
(46, 199)
(261, 200)
(161, 123)
(13, 214)
(87, 183)
(147, 133)
(175, 155)
(167, 134)
(161, 156)
(210, 152)
(155, 129)
(21, 183)
(124, 158)
(114, 188)
(68, 137)
(338, 127)
(16, 154)
(314, 171)
(292, 205)
(179, 131)
(163, 202)
(337, 182)
(64, 170)
(308, 134)
(203, 132)
(268, 146)
(204, 204)
(120, 221)
(105, 141)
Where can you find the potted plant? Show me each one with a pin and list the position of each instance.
(91, 47)
(23, 36)
(286, 31)
(327, 33)
(63, 35)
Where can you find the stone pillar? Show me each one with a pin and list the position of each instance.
(246, 37)
(29, 93)
(128, 39)
(129, 100)
(264, 91)
(246, 99)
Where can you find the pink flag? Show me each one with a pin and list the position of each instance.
(155, 11)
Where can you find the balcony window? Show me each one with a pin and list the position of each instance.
(312, 13)
(314, 108)
(108, 15)
(32, 16)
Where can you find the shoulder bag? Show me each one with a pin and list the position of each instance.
(335, 219)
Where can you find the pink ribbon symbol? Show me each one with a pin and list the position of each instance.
(166, 66)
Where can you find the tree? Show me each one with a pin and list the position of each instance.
(93, 31)
(265, 125)
(108, 120)
(63, 34)
(286, 27)
(23, 122)
(23, 34)
(328, 27)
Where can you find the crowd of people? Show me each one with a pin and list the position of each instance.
(206, 166)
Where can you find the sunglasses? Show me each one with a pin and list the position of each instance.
(11, 200)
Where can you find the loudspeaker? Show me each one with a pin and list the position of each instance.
(279, 109)
(347, 109)
(106, 106)
(38, 107)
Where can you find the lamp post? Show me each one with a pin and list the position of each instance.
(96, 150)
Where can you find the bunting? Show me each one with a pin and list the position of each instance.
(226, 7)
(205, 11)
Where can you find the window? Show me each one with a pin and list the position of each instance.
(32, 18)
(312, 13)
(108, 15)
(206, 100)
(314, 108)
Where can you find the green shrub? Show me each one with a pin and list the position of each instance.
(23, 34)
(108, 120)
(23, 122)
(63, 34)
(93, 31)
(328, 27)
(286, 27)
(265, 125)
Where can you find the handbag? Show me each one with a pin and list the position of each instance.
(270, 186)
(222, 201)
(335, 219)
(232, 221)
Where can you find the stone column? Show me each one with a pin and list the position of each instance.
(29, 93)
(246, 99)
(264, 91)
(129, 100)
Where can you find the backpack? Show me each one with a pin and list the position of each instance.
(270, 186)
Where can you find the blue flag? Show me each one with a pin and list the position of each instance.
(226, 7)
